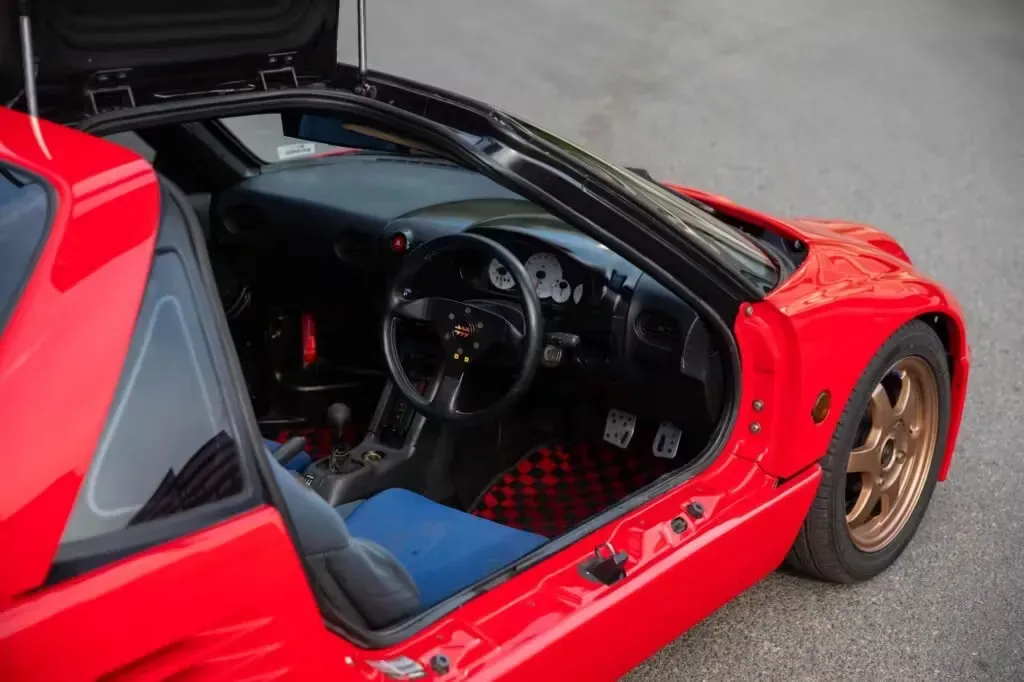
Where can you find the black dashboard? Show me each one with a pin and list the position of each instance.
(364, 211)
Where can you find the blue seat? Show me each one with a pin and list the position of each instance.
(443, 549)
(297, 463)
(396, 554)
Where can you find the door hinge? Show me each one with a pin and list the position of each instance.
(606, 566)
(280, 72)
(109, 91)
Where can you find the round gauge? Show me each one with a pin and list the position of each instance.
(499, 275)
(544, 270)
(561, 291)
(577, 293)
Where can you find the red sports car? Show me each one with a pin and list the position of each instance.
(430, 393)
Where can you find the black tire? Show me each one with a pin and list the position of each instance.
(823, 548)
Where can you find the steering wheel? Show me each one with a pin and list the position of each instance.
(466, 330)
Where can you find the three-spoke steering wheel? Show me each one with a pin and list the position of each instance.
(466, 330)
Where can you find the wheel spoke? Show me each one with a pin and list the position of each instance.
(867, 458)
(888, 493)
(865, 504)
(882, 415)
(905, 409)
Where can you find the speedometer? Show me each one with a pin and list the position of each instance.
(499, 275)
(544, 269)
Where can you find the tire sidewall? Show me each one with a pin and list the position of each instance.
(915, 339)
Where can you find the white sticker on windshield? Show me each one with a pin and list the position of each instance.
(291, 151)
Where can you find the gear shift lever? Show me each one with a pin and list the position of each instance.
(338, 415)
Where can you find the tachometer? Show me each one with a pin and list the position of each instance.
(544, 269)
(561, 291)
(499, 275)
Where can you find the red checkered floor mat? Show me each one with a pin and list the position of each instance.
(552, 489)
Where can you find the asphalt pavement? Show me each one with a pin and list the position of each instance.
(908, 115)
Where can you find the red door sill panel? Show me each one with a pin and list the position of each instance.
(551, 623)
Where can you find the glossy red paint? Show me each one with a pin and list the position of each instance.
(547, 622)
(173, 612)
(70, 329)
(821, 327)
(544, 622)
(232, 602)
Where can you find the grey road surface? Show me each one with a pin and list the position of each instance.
(908, 115)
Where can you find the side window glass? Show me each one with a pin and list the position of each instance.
(24, 219)
(168, 445)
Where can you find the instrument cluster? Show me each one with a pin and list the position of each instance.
(549, 279)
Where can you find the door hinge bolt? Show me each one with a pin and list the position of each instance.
(678, 524)
(758, 405)
(695, 510)
(755, 428)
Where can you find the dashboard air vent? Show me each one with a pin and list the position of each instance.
(658, 328)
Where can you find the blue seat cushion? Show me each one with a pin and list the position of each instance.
(298, 463)
(443, 549)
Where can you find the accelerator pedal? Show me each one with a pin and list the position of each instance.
(666, 440)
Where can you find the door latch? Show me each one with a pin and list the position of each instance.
(606, 566)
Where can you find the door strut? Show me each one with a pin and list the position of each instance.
(362, 87)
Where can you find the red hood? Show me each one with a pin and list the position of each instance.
(807, 230)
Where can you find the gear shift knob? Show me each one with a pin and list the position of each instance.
(338, 415)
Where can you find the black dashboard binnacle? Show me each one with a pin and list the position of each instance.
(364, 211)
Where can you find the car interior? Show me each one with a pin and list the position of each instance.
(435, 413)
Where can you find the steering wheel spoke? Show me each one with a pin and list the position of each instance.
(415, 309)
(446, 395)
(466, 330)
(512, 335)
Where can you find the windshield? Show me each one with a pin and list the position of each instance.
(731, 245)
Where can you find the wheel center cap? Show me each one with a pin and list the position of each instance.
(888, 454)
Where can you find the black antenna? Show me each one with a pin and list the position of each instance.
(28, 59)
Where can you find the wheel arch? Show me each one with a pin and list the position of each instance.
(950, 329)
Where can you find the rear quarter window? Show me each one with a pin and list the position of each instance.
(24, 219)
(168, 445)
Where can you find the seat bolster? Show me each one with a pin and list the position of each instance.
(371, 578)
(376, 584)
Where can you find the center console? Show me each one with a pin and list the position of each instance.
(391, 439)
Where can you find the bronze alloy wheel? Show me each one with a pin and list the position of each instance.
(889, 468)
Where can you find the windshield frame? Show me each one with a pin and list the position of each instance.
(726, 244)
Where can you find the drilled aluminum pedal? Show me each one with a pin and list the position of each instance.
(619, 427)
(666, 440)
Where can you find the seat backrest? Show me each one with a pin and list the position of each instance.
(346, 570)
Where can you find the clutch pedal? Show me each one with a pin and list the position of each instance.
(619, 427)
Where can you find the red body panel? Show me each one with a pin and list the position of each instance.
(70, 330)
(232, 602)
(821, 327)
(548, 623)
(174, 612)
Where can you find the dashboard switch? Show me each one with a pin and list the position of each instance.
(399, 242)
(563, 339)
(552, 356)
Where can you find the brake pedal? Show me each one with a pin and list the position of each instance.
(619, 427)
(666, 440)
